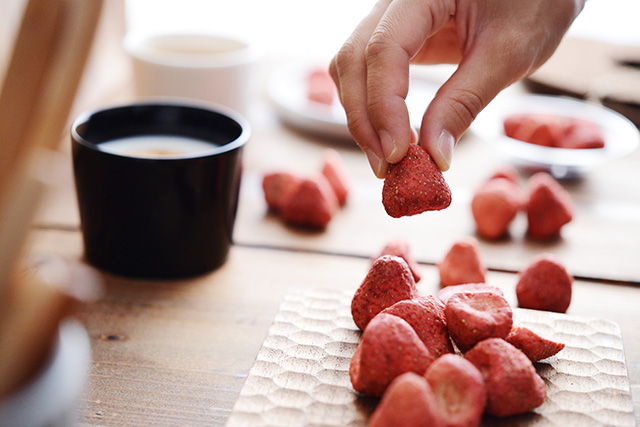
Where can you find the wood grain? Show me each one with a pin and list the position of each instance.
(301, 374)
(178, 352)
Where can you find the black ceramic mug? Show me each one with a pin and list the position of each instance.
(157, 212)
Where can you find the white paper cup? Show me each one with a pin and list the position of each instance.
(210, 67)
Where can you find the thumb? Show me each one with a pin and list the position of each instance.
(460, 99)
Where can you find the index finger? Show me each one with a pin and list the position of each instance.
(402, 30)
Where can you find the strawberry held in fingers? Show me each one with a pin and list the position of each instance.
(415, 185)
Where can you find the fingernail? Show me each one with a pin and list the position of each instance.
(389, 147)
(378, 165)
(445, 149)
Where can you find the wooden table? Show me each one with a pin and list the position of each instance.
(178, 352)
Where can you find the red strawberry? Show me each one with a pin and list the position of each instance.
(334, 170)
(426, 317)
(415, 185)
(400, 247)
(320, 86)
(513, 386)
(388, 281)
(549, 208)
(473, 317)
(545, 285)
(512, 122)
(462, 264)
(459, 390)
(583, 134)
(276, 186)
(389, 347)
(445, 293)
(408, 402)
(506, 172)
(312, 204)
(532, 345)
(494, 206)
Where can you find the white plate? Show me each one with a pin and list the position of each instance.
(620, 135)
(287, 91)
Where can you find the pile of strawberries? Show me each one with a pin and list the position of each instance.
(498, 200)
(407, 356)
(308, 201)
(554, 131)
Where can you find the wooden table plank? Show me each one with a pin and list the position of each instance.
(177, 352)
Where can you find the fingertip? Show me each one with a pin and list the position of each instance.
(379, 166)
(440, 149)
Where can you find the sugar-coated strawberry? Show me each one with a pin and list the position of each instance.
(459, 390)
(462, 264)
(549, 207)
(426, 317)
(408, 402)
(512, 383)
(494, 206)
(400, 247)
(532, 345)
(389, 347)
(312, 204)
(388, 281)
(334, 169)
(277, 186)
(415, 185)
(545, 284)
(445, 293)
(473, 317)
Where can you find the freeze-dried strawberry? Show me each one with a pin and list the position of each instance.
(582, 134)
(408, 402)
(462, 264)
(513, 386)
(426, 317)
(445, 293)
(459, 390)
(388, 281)
(320, 86)
(389, 347)
(276, 186)
(549, 207)
(512, 122)
(334, 170)
(532, 345)
(400, 247)
(473, 317)
(312, 204)
(506, 172)
(415, 185)
(494, 206)
(545, 284)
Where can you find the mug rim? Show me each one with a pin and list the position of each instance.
(238, 142)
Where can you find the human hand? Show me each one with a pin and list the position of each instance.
(495, 43)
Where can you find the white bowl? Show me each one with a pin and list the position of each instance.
(620, 134)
